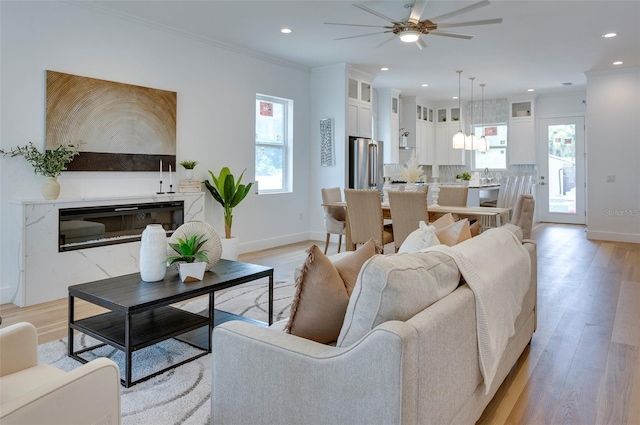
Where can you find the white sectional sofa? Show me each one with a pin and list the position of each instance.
(421, 368)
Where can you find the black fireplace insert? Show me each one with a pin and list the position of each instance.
(89, 227)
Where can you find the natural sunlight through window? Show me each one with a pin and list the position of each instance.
(274, 128)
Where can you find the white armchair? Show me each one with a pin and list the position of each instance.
(32, 393)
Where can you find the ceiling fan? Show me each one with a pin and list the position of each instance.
(412, 28)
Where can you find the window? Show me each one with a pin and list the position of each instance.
(496, 157)
(273, 147)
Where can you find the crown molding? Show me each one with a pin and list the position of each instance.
(629, 70)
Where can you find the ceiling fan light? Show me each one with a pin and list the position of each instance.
(458, 140)
(409, 36)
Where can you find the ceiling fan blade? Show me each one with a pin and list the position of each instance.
(385, 42)
(416, 11)
(451, 34)
(420, 43)
(373, 12)
(471, 23)
(353, 25)
(361, 35)
(460, 11)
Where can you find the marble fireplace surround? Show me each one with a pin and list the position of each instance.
(40, 273)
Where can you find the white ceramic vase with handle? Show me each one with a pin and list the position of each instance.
(153, 253)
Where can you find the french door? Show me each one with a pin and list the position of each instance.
(561, 182)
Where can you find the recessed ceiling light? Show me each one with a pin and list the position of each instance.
(454, 97)
(618, 63)
(384, 68)
(609, 35)
(531, 89)
(286, 31)
(425, 85)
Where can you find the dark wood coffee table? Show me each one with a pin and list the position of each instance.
(140, 314)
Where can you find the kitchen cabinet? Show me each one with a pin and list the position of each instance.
(418, 120)
(521, 132)
(447, 125)
(389, 123)
(359, 109)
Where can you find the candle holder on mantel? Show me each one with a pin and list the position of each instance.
(161, 192)
(170, 189)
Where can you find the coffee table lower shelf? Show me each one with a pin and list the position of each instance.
(151, 328)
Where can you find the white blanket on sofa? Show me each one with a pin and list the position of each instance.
(497, 268)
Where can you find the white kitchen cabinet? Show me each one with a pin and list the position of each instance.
(389, 123)
(418, 120)
(359, 108)
(447, 125)
(521, 132)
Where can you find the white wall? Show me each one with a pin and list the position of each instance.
(216, 106)
(613, 148)
(329, 94)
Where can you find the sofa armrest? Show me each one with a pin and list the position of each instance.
(89, 394)
(263, 376)
(18, 348)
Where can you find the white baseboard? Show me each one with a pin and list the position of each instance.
(6, 294)
(613, 236)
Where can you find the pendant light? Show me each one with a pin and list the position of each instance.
(458, 138)
(471, 141)
(483, 143)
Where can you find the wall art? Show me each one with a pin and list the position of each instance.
(122, 127)
(327, 157)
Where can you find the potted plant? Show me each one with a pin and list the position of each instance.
(229, 193)
(48, 164)
(192, 262)
(188, 167)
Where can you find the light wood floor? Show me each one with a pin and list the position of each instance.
(583, 365)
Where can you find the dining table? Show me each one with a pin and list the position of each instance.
(481, 212)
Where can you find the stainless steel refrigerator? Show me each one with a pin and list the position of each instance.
(365, 163)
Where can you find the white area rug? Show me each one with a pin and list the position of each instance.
(181, 395)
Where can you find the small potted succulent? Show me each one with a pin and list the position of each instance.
(192, 262)
(188, 168)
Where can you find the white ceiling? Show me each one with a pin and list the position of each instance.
(540, 44)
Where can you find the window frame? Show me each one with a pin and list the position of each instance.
(478, 134)
(285, 146)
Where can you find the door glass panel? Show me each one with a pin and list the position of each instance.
(562, 168)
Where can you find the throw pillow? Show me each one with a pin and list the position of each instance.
(475, 228)
(423, 237)
(443, 221)
(454, 233)
(321, 297)
(396, 287)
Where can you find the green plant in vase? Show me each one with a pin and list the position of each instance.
(48, 163)
(227, 192)
(188, 250)
(189, 166)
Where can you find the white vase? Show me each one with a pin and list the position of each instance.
(410, 187)
(50, 188)
(230, 248)
(153, 253)
(191, 272)
(188, 174)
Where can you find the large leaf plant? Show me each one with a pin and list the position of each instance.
(228, 192)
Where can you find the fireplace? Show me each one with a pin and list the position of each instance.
(90, 227)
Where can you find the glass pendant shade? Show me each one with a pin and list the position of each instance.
(459, 137)
(470, 142)
(458, 140)
(483, 144)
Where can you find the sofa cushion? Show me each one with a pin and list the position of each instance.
(423, 237)
(322, 293)
(396, 287)
(454, 233)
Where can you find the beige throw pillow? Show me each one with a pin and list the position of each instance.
(322, 293)
(443, 221)
(454, 233)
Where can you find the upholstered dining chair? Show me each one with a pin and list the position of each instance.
(523, 214)
(334, 217)
(451, 196)
(407, 210)
(365, 217)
